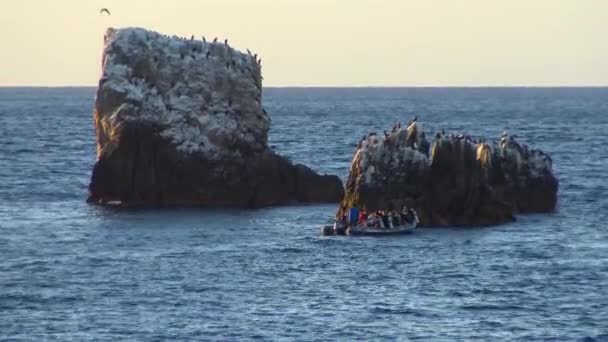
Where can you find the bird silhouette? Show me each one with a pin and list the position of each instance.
(104, 10)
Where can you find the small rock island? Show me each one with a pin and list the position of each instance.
(456, 180)
(180, 122)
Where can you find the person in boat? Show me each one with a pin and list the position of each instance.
(373, 220)
(369, 220)
(362, 217)
(353, 217)
(343, 220)
(337, 224)
(395, 219)
(377, 219)
(412, 214)
(405, 215)
(390, 213)
(385, 222)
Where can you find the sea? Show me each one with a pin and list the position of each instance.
(74, 271)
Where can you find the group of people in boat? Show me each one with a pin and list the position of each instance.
(378, 219)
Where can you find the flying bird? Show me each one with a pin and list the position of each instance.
(104, 10)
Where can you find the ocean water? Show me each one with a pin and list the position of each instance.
(72, 271)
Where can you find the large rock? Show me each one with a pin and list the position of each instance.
(180, 122)
(454, 181)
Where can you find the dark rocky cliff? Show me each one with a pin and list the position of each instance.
(453, 181)
(180, 123)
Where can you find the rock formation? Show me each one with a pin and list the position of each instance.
(457, 181)
(180, 122)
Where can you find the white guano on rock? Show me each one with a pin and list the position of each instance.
(205, 96)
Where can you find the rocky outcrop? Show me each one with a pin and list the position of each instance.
(180, 122)
(455, 181)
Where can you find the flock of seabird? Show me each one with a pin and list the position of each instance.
(438, 136)
(509, 140)
(229, 65)
(506, 141)
(505, 138)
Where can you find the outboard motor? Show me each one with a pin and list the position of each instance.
(327, 230)
(339, 228)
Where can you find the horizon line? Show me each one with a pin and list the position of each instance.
(348, 86)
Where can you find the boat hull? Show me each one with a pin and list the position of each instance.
(340, 229)
(365, 231)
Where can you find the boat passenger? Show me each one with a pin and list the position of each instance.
(353, 216)
(412, 213)
(362, 216)
(378, 219)
(391, 222)
(385, 222)
(406, 215)
(375, 221)
(337, 224)
(395, 219)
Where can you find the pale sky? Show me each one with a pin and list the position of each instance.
(328, 42)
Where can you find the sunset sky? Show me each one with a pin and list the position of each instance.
(328, 42)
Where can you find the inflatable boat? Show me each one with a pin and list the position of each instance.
(365, 230)
(406, 228)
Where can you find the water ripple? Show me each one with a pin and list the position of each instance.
(69, 271)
